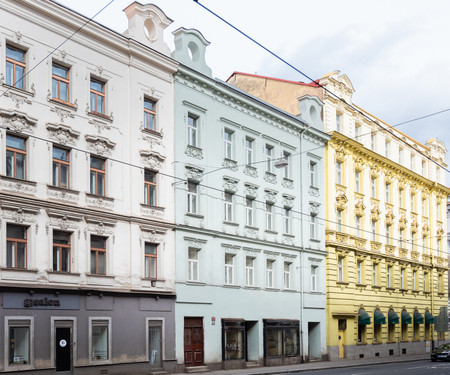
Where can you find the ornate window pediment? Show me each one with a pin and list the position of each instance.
(359, 208)
(389, 219)
(425, 230)
(402, 221)
(375, 213)
(414, 226)
(63, 134)
(230, 184)
(288, 200)
(251, 190)
(440, 232)
(194, 174)
(359, 164)
(270, 196)
(341, 155)
(152, 159)
(17, 121)
(374, 170)
(389, 177)
(99, 225)
(341, 200)
(99, 145)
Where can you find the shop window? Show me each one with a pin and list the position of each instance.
(281, 338)
(19, 341)
(100, 339)
(233, 333)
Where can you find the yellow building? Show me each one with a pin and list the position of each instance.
(385, 223)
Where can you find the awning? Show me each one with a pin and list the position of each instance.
(393, 317)
(418, 318)
(429, 318)
(363, 318)
(406, 318)
(378, 317)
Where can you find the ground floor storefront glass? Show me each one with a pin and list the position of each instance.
(234, 344)
(281, 338)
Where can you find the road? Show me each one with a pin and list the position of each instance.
(405, 368)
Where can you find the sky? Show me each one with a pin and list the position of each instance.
(395, 53)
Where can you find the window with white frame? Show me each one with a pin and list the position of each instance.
(16, 246)
(423, 168)
(412, 203)
(314, 278)
(387, 191)
(287, 275)
(357, 132)
(192, 130)
(250, 271)
(424, 207)
(313, 173)
(228, 144)
(374, 230)
(193, 265)
(400, 197)
(192, 198)
(229, 269)
(228, 207)
(339, 220)
(249, 150)
(387, 146)
(373, 187)
(372, 141)
(287, 170)
(425, 281)
(438, 211)
(249, 211)
(269, 158)
(400, 155)
(313, 232)
(100, 339)
(412, 162)
(389, 276)
(402, 278)
(414, 280)
(269, 216)
(19, 341)
(338, 122)
(374, 274)
(270, 273)
(359, 272)
(150, 260)
(388, 234)
(340, 269)
(357, 182)
(358, 225)
(287, 220)
(339, 172)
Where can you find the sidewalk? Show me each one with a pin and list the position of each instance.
(311, 366)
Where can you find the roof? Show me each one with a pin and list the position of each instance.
(313, 84)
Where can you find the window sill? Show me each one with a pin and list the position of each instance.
(65, 104)
(11, 269)
(361, 343)
(100, 115)
(272, 289)
(376, 287)
(404, 290)
(52, 272)
(252, 287)
(390, 288)
(100, 275)
(441, 294)
(361, 285)
(416, 340)
(251, 227)
(231, 223)
(314, 240)
(288, 235)
(17, 90)
(404, 340)
(231, 286)
(195, 215)
(376, 343)
(270, 231)
(416, 291)
(194, 282)
(90, 195)
(391, 342)
(67, 190)
(18, 180)
(342, 283)
(152, 132)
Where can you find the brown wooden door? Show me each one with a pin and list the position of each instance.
(193, 341)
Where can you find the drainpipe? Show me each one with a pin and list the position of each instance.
(302, 245)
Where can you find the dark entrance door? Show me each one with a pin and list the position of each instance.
(63, 349)
(193, 341)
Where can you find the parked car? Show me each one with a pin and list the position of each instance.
(442, 352)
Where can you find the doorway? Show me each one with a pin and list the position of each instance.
(193, 342)
(63, 349)
(314, 346)
(155, 343)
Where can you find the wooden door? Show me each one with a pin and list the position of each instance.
(193, 342)
(341, 343)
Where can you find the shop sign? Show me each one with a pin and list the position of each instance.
(40, 301)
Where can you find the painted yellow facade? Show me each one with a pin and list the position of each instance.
(385, 224)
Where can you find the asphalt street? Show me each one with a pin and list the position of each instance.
(405, 368)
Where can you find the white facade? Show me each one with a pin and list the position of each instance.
(75, 217)
(249, 260)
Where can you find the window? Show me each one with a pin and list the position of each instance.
(402, 278)
(101, 340)
(413, 241)
(374, 274)
(249, 211)
(400, 197)
(233, 333)
(389, 276)
(412, 162)
(425, 281)
(313, 278)
(313, 226)
(97, 179)
(15, 67)
(229, 269)
(338, 122)
(423, 168)
(151, 260)
(404, 331)
(339, 221)
(339, 172)
(358, 272)
(16, 156)
(228, 207)
(391, 332)
(287, 171)
(388, 235)
(250, 271)
(269, 273)
(438, 211)
(269, 158)
(61, 251)
(16, 246)
(424, 207)
(358, 225)
(193, 265)
(61, 167)
(373, 187)
(287, 220)
(414, 279)
(192, 198)
(313, 173)
(20, 344)
(228, 144)
(287, 275)
(387, 145)
(400, 155)
(248, 150)
(440, 280)
(438, 247)
(281, 338)
(374, 230)
(149, 114)
(192, 129)
(98, 255)
(357, 182)
(376, 332)
(412, 203)
(60, 83)
(269, 216)
(340, 269)
(387, 192)
(357, 132)
(372, 141)
(97, 96)
(149, 188)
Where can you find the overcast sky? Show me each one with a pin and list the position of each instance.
(395, 52)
